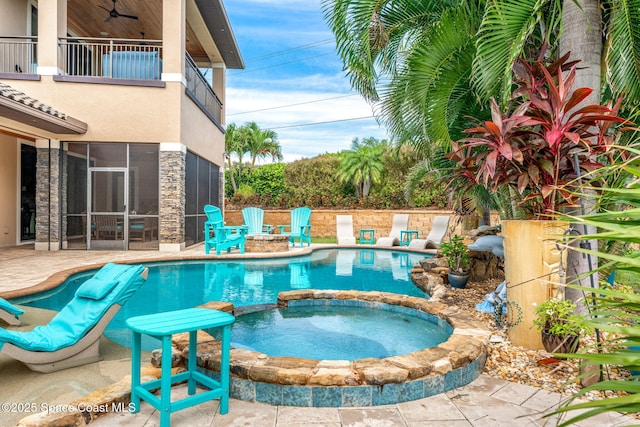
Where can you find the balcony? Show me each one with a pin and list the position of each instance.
(128, 59)
(109, 61)
(200, 91)
(18, 55)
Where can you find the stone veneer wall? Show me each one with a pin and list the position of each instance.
(47, 196)
(172, 196)
(323, 221)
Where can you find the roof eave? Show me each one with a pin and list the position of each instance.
(217, 21)
(27, 115)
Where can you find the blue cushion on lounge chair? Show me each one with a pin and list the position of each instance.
(80, 314)
(10, 308)
(95, 288)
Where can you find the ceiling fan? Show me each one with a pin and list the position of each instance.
(113, 13)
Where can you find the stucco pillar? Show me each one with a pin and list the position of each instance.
(173, 160)
(51, 25)
(48, 230)
(174, 18)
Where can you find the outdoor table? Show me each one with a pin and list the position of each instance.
(163, 326)
(406, 236)
(367, 235)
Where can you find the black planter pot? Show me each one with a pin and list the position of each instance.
(457, 280)
(560, 343)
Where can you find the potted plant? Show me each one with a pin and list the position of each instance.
(529, 155)
(458, 259)
(560, 327)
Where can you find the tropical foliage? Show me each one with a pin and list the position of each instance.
(414, 58)
(431, 63)
(362, 166)
(556, 317)
(248, 140)
(457, 254)
(534, 149)
(614, 312)
(313, 182)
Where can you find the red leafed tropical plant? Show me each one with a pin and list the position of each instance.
(532, 149)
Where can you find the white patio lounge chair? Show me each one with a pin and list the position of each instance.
(72, 337)
(400, 222)
(344, 230)
(439, 229)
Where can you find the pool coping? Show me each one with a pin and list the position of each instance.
(289, 381)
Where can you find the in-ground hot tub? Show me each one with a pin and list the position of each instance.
(370, 381)
(337, 331)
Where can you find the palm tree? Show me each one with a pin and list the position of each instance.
(362, 166)
(232, 146)
(261, 143)
(428, 62)
(414, 58)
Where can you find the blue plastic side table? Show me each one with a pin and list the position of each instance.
(406, 236)
(367, 235)
(163, 326)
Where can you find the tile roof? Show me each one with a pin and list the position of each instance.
(18, 106)
(21, 97)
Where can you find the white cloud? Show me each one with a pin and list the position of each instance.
(290, 59)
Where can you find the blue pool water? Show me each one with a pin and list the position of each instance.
(324, 332)
(184, 284)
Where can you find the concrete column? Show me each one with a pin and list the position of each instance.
(48, 230)
(52, 23)
(174, 18)
(173, 160)
(219, 84)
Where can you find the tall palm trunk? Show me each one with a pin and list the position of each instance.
(582, 36)
(231, 174)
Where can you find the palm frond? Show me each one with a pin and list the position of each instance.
(623, 49)
(421, 99)
(501, 40)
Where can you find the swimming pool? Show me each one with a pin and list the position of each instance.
(183, 284)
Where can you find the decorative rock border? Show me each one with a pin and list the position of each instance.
(290, 381)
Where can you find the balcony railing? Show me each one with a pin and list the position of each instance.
(201, 90)
(18, 54)
(132, 59)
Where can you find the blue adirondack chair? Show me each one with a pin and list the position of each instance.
(220, 236)
(254, 219)
(300, 226)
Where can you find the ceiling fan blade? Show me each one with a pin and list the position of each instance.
(108, 18)
(127, 16)
(102, 7)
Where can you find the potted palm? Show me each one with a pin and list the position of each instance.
(559, 327)
(458, 259)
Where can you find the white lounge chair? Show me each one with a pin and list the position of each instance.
(72, 337)
(400, 222)
(439, 229)
(344, 230)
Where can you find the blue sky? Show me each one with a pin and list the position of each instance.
(293, 78)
